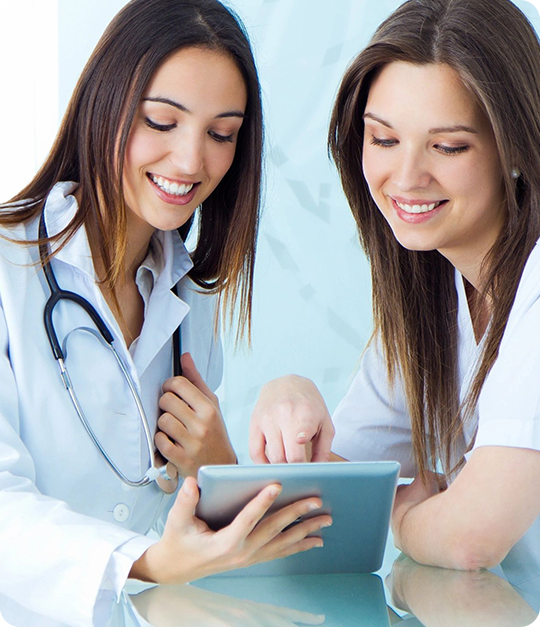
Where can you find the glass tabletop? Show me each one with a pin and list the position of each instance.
(401, 592)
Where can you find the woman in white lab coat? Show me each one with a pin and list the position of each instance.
(436, 137)
(166, 118)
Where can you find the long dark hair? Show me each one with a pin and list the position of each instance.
(495, 51)
(91, 144)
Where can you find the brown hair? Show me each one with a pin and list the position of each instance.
(91, 145)
(495, 51)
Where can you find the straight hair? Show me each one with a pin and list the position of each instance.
(91, 145)
(496, 53)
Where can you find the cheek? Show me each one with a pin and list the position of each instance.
(141, 150)
(376, 171)
(221, 161)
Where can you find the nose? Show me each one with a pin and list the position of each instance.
(187, 154)
(411, 171)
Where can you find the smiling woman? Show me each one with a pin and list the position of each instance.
(165, 118)
(436, 139)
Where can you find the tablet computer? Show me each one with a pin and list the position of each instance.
(358, 495)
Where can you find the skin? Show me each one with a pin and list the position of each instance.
(185, 131)
(426, 140)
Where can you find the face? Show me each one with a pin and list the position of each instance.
(183, 137)
(431, 164)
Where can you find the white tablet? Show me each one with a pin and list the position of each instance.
(358, 495)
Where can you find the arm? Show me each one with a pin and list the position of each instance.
(370, 423)
(479, 518)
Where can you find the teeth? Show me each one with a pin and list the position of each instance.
(418, 208)
(171, 187)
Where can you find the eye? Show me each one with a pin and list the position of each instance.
(221, 138)
(158, 127)
(385, 143)
(451, 150)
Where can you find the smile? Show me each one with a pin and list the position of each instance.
(171, 187)
(417, 208)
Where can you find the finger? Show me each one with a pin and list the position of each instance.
(294, 452)
(274, 447)
(257, 445)
(189, 370)
(273, 525)
(170, 450)
(172, 404)
(322, 443)
(174, 428)
(184, 389)
(247, 519)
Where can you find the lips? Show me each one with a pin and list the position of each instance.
(417, 211)
(173, 192)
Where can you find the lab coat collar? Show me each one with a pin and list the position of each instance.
(60, 209)
(168, 261)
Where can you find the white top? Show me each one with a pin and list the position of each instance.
(69, 528)
(373, 424)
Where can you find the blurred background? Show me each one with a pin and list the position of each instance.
(312, 309)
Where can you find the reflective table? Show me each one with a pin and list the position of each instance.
(402, 592)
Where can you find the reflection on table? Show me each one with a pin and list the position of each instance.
(415, 596)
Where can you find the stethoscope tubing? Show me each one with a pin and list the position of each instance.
(58, 294)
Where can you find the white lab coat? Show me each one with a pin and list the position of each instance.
(373, 424)
(69, 528)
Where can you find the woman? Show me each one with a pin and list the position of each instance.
(165, 118)
(440, 113)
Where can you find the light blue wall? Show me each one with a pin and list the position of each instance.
(312, 310)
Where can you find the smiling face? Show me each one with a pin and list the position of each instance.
(431, 163)
(183, 138)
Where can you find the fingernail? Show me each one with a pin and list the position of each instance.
(186, 488)
(302, 434)
(328, 524)
(313, 506)
(274, 491)
(319, 545)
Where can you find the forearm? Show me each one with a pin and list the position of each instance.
(437, 533)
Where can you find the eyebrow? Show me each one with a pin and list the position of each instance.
(433, 131)
(181, 107)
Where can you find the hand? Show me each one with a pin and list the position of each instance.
(408, 496)
(191, 432)
(185, 606)
(189, 550)
(290, 415)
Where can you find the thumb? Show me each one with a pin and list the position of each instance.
(183, 510)
(190, 372)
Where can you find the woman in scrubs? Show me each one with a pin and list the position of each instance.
(436, 136)
(166, 118)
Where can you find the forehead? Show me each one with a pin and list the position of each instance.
(430, 95)
(195, 76)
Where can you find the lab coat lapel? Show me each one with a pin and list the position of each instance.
(165, 311)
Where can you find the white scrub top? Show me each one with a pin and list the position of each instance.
(372, 422)
(69, 528)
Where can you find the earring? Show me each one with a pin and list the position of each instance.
(515, 172)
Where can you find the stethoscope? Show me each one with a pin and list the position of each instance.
(166, 475)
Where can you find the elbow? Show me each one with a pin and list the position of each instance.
(479, 552)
